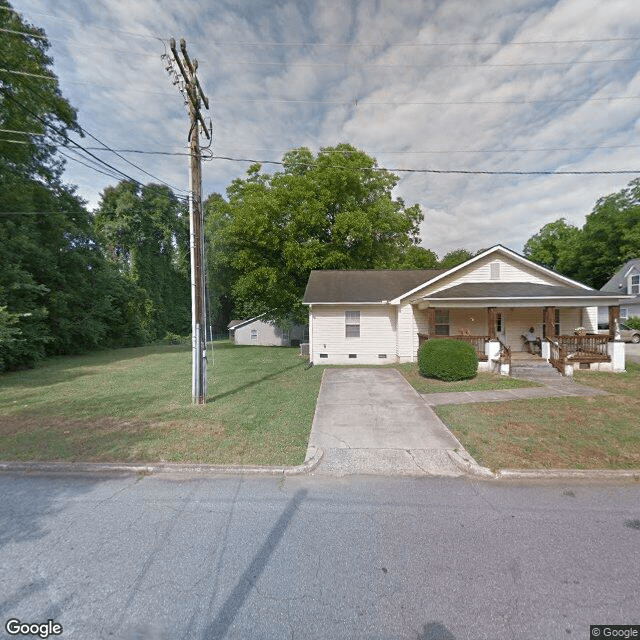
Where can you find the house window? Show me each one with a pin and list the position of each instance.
(352, 324)
(442, 322)
(254, 335)
(557, 322)
(498, 323)
(495, 271)
(635, 285)
(624, 313)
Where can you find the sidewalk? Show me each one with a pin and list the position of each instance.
(561, 387)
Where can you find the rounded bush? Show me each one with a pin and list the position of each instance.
(447, 360)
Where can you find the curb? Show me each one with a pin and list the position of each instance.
(569, 474)
(472, 468)
(163, 467)
(469, 465)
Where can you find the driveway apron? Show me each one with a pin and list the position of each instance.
(371, 421)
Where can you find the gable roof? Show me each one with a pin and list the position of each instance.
(361, 286)
(497, 249)
(618, 284)
(391, 287)
(236, 324)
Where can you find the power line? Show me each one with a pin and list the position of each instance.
(447, 171)
(106, 147)
(352, 101)
(374, 152)
(455, 65)
(309, 43)
(60, 132)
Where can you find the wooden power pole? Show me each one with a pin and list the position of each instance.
(195, 98)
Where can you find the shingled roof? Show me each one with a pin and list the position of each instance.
(364, 286)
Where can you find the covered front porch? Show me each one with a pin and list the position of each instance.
(566, 335)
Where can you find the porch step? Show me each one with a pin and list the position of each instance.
(537, 369)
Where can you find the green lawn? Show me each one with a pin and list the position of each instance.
(135, 405)
(599, 432)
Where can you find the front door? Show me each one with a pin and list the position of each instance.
(501, 331)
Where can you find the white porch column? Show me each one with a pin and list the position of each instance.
(616, 351)
(546, 350)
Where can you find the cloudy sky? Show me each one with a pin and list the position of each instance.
(445, 86)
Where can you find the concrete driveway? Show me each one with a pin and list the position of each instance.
(632, 352)
(371, 421)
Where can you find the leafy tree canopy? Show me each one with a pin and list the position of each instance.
(454, 258)
(334, 210)
(145, 232)
(554, 246)
(609, 237)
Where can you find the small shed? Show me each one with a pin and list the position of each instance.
(259, 331)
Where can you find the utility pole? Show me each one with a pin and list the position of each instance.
(195, 98)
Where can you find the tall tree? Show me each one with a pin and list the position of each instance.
(610, 236)
(47, 253)
(145, 231)
(556, 247)
(334, 210)
(454, 258)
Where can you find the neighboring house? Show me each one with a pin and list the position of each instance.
(491, 300)
(261, 332)
(625, 281)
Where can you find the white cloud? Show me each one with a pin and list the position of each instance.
(452, 68)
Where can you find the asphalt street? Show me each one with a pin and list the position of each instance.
(162, 557)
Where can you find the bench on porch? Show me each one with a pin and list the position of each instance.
(477, 341)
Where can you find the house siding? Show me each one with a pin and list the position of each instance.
(510, 271)
(378, 328)
(268, 335)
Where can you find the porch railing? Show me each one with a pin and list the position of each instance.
(557, 355)
(590, 348)
(478, 342)
(505, 353)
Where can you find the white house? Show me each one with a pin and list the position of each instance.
(378, 317)
(625, 281)
(258, 331)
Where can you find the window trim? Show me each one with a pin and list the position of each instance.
(444, 322)
(351, 324)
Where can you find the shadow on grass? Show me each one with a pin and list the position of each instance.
(254, 383)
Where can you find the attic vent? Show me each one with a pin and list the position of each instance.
(495, 271)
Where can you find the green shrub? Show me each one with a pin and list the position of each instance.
(633, 322)
(447, 360)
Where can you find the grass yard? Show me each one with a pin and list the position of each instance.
(135, 405)
(601, 432)
(482, 382)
